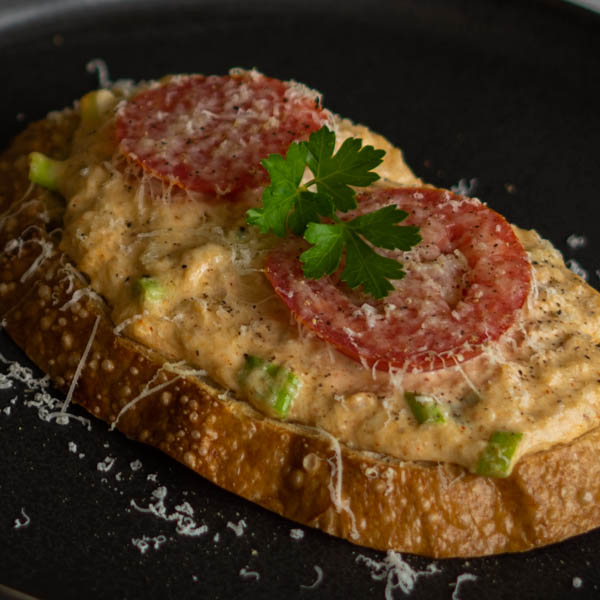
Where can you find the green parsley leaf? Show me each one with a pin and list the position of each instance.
(276, 206)
(279, 198)
(350, 166)
(379, 227)
(324, 257)
(289, 205)
(309, 207)
(367, 268)
(288, 170)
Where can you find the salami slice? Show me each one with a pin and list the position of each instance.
(464, 285)
(209, 134)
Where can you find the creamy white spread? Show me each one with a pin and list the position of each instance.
(541, 379)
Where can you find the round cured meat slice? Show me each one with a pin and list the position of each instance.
(209, 134)
(465, 284)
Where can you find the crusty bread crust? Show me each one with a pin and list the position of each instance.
(300, 473)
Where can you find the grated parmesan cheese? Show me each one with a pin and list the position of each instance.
(459, 580)
(335, 489)
(182, 369)
(466, 377)
(182, 516)
(369, 313)
(107, 464)
(147, 391)
(145, 542)
(120, 326)
(5, 382)
(575, 241)
(465, 187)
(397, 573)
(47, 405)
(246, 574)
(577, 269)
(47, 251)
(79, 368)
(80, 293)
(238, 528)
(317, 581)
(22, 523)
(99, 66)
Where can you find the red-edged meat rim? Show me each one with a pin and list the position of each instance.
(465, 285)
(209, 134)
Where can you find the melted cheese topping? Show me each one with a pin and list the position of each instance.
(541, 379)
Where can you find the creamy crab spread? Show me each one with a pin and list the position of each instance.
(216, 307)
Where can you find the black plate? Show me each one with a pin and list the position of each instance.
(505, 93)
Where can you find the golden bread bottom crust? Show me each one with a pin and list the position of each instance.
(300, 473)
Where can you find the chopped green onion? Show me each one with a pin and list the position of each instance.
(45, 171)
(94, 105)
(269, 386)
(424, 408)
(496, 458)
(149, 289)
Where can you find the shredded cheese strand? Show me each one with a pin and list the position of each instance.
(143, 394)
(80, 366)
(335, 490)
(20, 204)
(460, 579)
(466, 377)
(78, 294)
(317, 582)
(47, 252)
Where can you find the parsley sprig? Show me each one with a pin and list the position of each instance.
(289, 205)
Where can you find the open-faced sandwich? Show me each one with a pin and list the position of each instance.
(221, 268)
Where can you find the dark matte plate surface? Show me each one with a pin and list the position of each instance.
(499, 92)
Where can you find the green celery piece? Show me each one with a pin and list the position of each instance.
(496, 458)
(94, 105)
(424, 408)
(149, 289)
(45, 171)
(269, 385)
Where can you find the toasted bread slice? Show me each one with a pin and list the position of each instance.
(302, 473)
